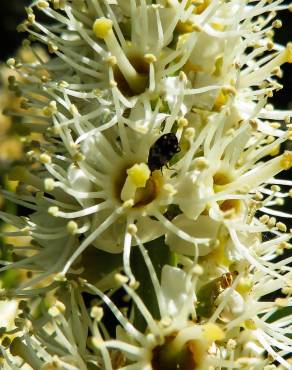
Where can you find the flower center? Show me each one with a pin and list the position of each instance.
(139, 185)
(221, 179)
(187, 358)
(142, 68)
(231, 205)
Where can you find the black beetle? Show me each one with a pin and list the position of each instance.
(162, 151)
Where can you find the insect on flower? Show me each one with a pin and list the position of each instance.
(162, 151)
(208, 293)
(223, 282)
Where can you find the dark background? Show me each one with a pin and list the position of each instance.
(12, 13)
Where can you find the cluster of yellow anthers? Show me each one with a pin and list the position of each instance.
(153, 191)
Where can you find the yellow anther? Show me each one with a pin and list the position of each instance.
(277, 23)
(182, 122)
(42, 4)
(275, 188)
(128, 203)
(58, 4)
(53, 211)
(264, 219)
(97, 342)
(288, 53)
(132, 229)
(121, 279)
(57, 309)
(72, 227)
(73, 110)
(111, 60)
(281, 302)
(281, 226)
(50, 109)
(78, 157)
(63, 84)
(96, 313)
(11, 62)
(101, 27)
(270, 45)
(52, 47)
(49, 184)
(150, 58)
(272, 222)
(190, 133)
(139, 174)
(113, 83)
(31, 18)
(286, 161)
(45, 158)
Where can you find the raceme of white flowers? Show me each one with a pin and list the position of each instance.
(151, 201)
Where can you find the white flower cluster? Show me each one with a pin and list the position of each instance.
(153, 240)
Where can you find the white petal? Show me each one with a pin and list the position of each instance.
(173, 285)
(204, 228)
(188, 197)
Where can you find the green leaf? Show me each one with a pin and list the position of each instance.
(282, 312)
(98, 264)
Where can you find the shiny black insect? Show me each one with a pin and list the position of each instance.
(162, 151)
